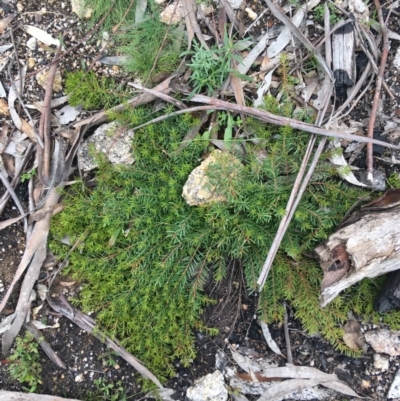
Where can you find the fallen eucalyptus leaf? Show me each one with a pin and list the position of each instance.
(41, 35)
(268, 338)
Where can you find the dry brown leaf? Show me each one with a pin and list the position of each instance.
(257, 377)
(27, 129)
(67, 284)
(4, 110)
(264, 62)
(353, 337)
(5, 22)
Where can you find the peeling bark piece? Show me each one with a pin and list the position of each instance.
(343, 58)
(15, 396)
(368, 245)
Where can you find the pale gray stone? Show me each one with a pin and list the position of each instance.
(396, 59)
(394, 391)
(109, 139)
(235, 4)
(208, 388)
(78, 7)
(381, 362)
(384, 341)
(31, 44)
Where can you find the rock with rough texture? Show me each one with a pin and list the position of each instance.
(381, 362)
(394, 391)
(208, 388)
(197, 189)
(109, 139)
(384, 341)
(172, 14)
(396, 60)
(78, 7)
(41, 79)
(235, 4)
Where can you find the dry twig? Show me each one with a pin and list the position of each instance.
(379, 80)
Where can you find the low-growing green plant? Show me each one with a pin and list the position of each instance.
(394, 180)
(118, 11)
(319, 13)
(108, 358)
(105, 391)
(91, 92)
(28, 175)
(152, 48)
(25, 362)
(146, 254)
(210, 67)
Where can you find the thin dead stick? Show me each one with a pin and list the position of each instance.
(86, 323)
(216, 104)
(297, 193)
(15, 180)
(379, 79)
(277, 120)
(13, 195)
(287, 337)
(160, 95)
(44, 155)
(136, 101)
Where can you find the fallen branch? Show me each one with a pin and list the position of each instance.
(86, 323)
(16, 396)
(32, 259)
(379, 80)
(277, 120)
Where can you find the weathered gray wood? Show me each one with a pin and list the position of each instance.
(343, 56)
(367, 246)
(14, 396)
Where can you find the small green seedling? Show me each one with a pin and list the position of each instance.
(25, 362)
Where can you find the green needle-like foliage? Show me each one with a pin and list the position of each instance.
(91, 92)
(146, 254)
(152, 48)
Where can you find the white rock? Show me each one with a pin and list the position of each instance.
(172, 14)
(78, 7)
(79, 378)
(41, 79)
(252, 15)
(209, 388)
(235, 4)
(31, 44)
(381, 362)
(396, 60)
(394, 391)
(197, 189)
(111, 141)
(384, 341)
